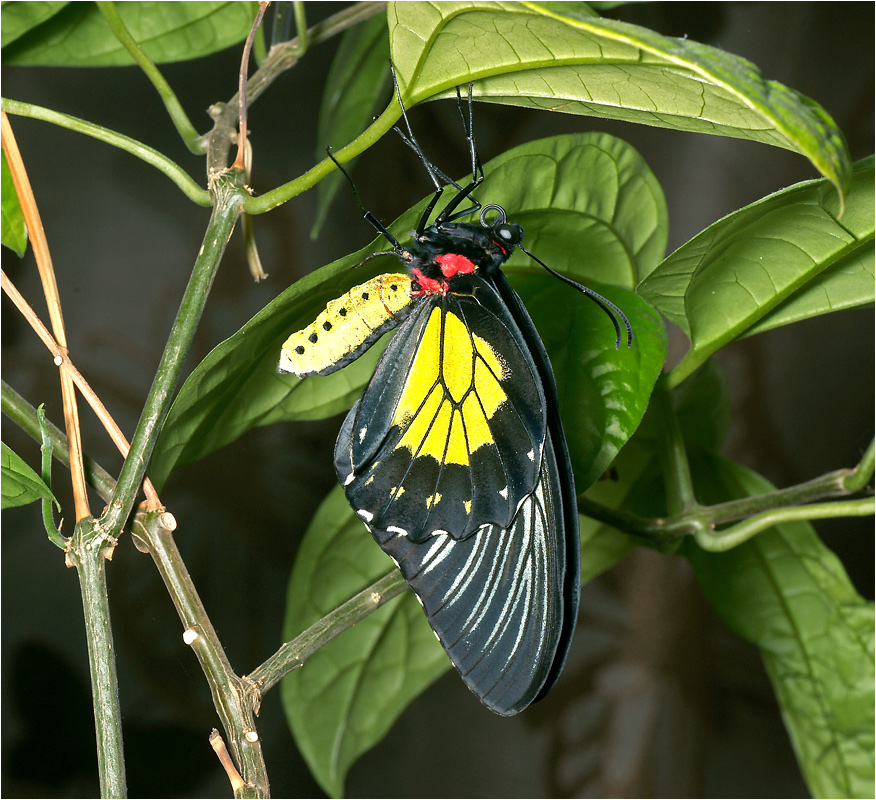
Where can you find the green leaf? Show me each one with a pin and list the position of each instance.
(356, 82)
(78, 35)
(785, 592)
(589, 206)
(348, 694)
(603, 392)
(537, 56)
(18, 18)
(14, 231)
(21, 485)
(742, 270)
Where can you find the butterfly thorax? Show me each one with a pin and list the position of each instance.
(447, 250)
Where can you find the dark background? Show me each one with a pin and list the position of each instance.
(658, 698)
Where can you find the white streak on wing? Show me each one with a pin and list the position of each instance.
(445, 546)
(523, 578)
(397, 531)
(463, 578)
(350, 478)
(365, 514)
(486, 600)
(527, 571)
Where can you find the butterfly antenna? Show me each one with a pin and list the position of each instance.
(411, 140)
(468, 126)
(613, 312)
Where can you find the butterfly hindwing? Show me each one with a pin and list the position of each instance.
(497, 600)
(449, 433)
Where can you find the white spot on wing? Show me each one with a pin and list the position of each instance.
(366, 515)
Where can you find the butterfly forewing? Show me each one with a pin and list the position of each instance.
(448, 436)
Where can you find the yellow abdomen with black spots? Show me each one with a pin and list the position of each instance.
(348, 326)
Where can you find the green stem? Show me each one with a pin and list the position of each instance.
(265, 202)
(700, 521)
(24, 415)
(280, 58)
(680, 496)
(225, 213)
(719, 541)
(232, 696)
(158, 160)
(88, 551)
(46, 447)
(300, 27)
(294, 653)
(174, 108)
(863, 473)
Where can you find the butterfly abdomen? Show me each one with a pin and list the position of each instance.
(348, 326)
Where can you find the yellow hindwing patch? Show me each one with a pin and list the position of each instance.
(451, 393)
(346, 324)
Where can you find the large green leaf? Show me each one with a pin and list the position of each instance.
(348, 694)
(14, 231)
(78, 36)
(356, 82)
(548, 56)
(18, 18)
(589, 206)
(767, 264)
(21, 485)
(788, 594)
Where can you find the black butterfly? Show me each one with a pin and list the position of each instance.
(454, 457)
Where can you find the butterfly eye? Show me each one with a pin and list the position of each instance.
(511, 234)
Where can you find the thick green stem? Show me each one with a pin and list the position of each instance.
(232, 696)
(758, 512)
(225, 213)
(89, 548)
(158, 160)
(293, 654)
(174, 108)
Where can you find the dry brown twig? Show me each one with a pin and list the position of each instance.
(57, 343)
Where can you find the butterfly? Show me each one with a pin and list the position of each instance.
(454, 457)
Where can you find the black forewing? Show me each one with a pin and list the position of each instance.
(398, 451)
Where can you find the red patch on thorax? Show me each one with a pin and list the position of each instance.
(429, 285)
(453, 263)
